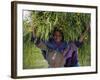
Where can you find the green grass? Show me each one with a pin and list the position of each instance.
(32, 57)
(84, 54)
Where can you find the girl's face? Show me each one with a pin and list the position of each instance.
(57, 36)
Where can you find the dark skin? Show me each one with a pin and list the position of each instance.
(57, 37)
(82, 36)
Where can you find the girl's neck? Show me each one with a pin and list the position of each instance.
(58, 43)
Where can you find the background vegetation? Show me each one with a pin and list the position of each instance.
(72, 24)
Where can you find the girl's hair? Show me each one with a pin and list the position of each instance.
(60, 31)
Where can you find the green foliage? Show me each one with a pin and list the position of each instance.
(33, 57)
(72, 25)
(84, 54)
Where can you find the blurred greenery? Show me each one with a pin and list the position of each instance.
(33, 57)
(72, 25)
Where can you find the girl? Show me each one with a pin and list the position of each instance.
(58, 52)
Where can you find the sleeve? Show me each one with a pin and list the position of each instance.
(78, 43)
(39, 43)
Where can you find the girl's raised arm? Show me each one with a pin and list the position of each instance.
(37, 41)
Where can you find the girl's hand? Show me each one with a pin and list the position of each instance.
(83, 34)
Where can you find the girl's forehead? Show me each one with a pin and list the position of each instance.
(57, 32)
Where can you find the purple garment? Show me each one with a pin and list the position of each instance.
(71, 56)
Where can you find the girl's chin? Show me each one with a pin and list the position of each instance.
(58, 41)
